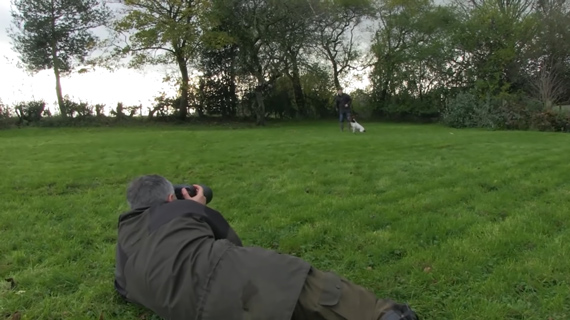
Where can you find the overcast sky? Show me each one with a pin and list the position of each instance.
(132, 87)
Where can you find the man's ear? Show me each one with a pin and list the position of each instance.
(171, 198)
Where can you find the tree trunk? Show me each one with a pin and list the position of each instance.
(260, 110)
(57, 75)
(297, 88)
(183, 108)
(232, 89)
(233, 99)
(201, 106)
(58, 91)
(335, 76)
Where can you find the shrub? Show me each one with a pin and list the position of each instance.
(77, 109)
(362, 104)
(507, 112)
(5, 111)
(100, 110)
(6, 116)
(552, 121)
(31, 111)
(461, 112)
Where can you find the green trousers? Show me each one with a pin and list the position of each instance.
(327, 296)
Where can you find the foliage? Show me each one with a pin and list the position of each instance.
(279, 102)
(334, 33)
(552, 121)
(6, 116)
(461, 112)
(509, 112)
(413, 48)
(5, 111)
(125, 112)
(56, 35)
(77, 109)
(30, 111)
(362, 104)
(318, 88)
(472, 63)
(252, 25)
(168, 31)
(163, 106)
(99, 110)
(218, 90)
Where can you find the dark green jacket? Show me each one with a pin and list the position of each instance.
(183, 261)
(341, 102)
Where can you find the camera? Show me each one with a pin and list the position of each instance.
(400, 312)
(192, 191)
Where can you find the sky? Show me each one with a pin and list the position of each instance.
(131, 87)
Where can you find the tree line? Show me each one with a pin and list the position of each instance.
(500, 64)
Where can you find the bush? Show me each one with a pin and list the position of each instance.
(552, 121)
(77, 109)
(5, 112)
(362, 104)
(508, 112)
(6, 116)
(100, 110)
(461, 112)
(120, 113)
(30, 112)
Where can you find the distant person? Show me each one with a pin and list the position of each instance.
(182, 260)
(343, 103)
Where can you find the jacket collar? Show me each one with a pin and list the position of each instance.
(136, 212)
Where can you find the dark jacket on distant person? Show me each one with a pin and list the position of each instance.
(341, 101)
(183, 261)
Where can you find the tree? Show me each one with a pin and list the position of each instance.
(334, 32)
(495, 35)
(414, 52)
(252, 26)
(218, 83)
(548, 83)
(218, 88)
(317, 85)
(292, 36)
(549, 60)
(56, 34)
(167, 31)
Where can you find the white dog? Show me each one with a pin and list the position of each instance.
(356, 126)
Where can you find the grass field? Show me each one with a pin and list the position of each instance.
(460, 224)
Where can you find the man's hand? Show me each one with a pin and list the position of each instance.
(199, 197)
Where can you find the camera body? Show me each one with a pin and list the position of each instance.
(400, 312)
(192, 191)
(391, 315)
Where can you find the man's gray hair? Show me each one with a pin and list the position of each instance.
(148, 190)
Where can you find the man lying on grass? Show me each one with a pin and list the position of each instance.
(173, 259)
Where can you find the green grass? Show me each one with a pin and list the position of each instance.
(460, 224)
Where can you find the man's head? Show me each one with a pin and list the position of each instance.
(148, 190)
(339, 91)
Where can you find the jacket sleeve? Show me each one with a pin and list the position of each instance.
(221, 227)
(120, 261)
